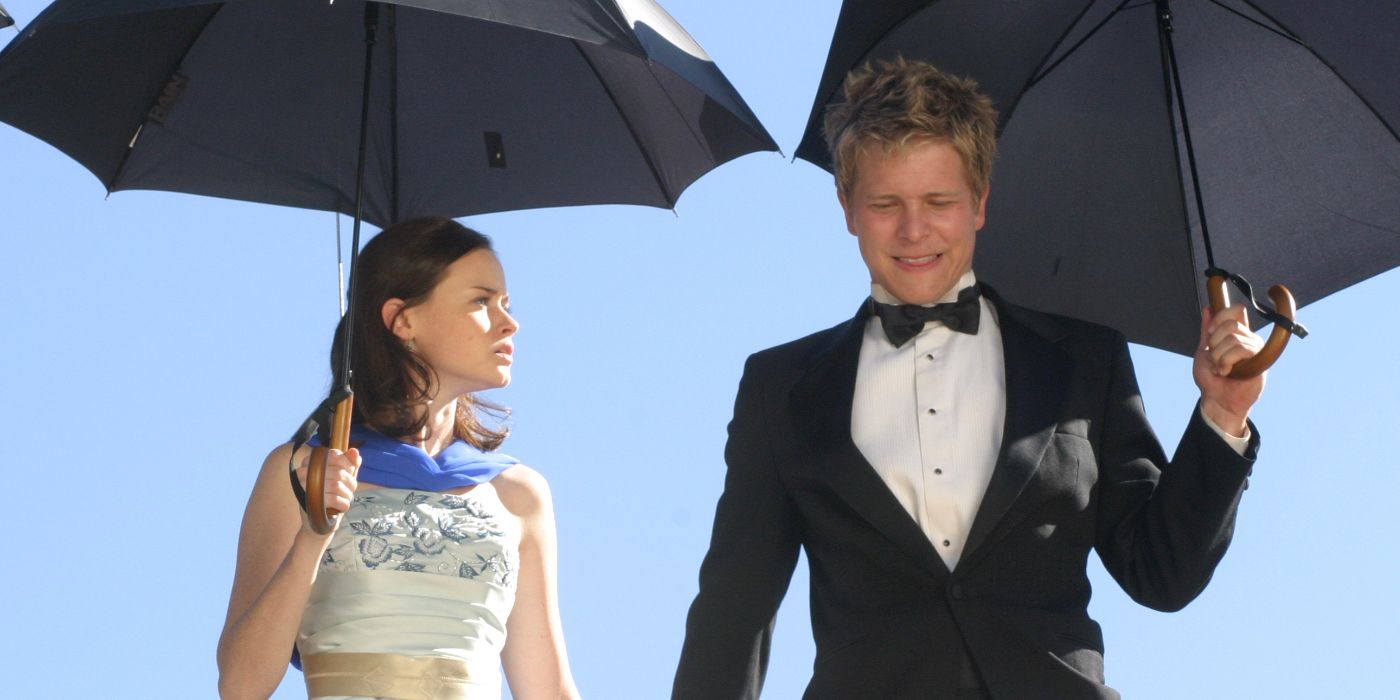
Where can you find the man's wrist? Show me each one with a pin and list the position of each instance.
(1230, 425)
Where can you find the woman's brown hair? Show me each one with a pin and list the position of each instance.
(392, 384)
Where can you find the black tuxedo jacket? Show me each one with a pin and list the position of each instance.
(1079, 468)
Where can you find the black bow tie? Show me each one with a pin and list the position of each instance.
(904, 321)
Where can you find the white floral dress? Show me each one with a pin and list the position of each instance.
(418, 573)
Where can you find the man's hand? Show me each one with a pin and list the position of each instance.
(1226, 340)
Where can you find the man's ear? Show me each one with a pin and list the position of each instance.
(394, 318)
(982, 207)
(846, 209)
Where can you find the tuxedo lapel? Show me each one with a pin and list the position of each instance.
(821, 403)
(1037, 375)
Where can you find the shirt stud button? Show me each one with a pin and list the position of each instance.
(937, 471)
(946, 543)
(932, 411)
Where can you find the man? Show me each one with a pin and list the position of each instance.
(948, 477)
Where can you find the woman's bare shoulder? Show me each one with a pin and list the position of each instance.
(523, 490)
(281, 456)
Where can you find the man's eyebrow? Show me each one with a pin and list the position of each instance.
(488, 290)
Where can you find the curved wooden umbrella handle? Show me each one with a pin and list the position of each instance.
(1273, 347)
(321, 518)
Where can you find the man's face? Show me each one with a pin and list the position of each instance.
(916, 218)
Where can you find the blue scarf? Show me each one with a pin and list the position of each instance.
(388, 462)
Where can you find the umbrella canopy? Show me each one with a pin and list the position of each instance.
(476, 105)
(467, 106)
(1291, 107)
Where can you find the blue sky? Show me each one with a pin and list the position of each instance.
(158, 345)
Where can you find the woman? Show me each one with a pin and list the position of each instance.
(442, 569)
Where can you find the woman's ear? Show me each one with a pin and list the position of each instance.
(392, 313)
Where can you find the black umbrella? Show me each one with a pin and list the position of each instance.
(381, 110)
(1289, 108)
(5, 19)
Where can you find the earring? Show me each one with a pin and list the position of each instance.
(409, 346)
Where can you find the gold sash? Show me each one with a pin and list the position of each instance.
(392, 676)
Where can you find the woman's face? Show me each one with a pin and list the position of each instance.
(464, 329)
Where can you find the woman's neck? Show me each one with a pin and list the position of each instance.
(438, 433)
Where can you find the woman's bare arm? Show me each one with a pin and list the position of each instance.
(536, 663)
(277, 561)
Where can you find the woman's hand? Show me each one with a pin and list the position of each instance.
(339, 485)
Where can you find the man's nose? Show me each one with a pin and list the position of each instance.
(912, 227)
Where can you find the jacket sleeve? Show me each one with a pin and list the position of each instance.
(753, 550)
(1163, 526)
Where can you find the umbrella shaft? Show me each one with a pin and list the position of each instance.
(1164, 23)
(371, 26)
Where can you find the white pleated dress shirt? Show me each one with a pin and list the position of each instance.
(929, 415)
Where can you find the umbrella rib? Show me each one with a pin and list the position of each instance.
(617, 13)
(816, 116)
(1036, 74)
(1039, 75)
(1289, 36)
(1323, 61)
(135, 137)
(632, 130)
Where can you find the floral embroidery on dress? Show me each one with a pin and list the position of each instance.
(421, 536)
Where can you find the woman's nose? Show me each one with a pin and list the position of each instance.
(509, 326)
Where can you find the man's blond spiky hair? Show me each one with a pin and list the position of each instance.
(898, 102)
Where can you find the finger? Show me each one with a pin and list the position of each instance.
(352, 456)
(1206, 317)
(346, 477)
(1226, 331)
(344, 460)
(303, 467)
(1233, 349)
(1222, 360)
(340, 497)
(1228, 319)
(333, 457)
